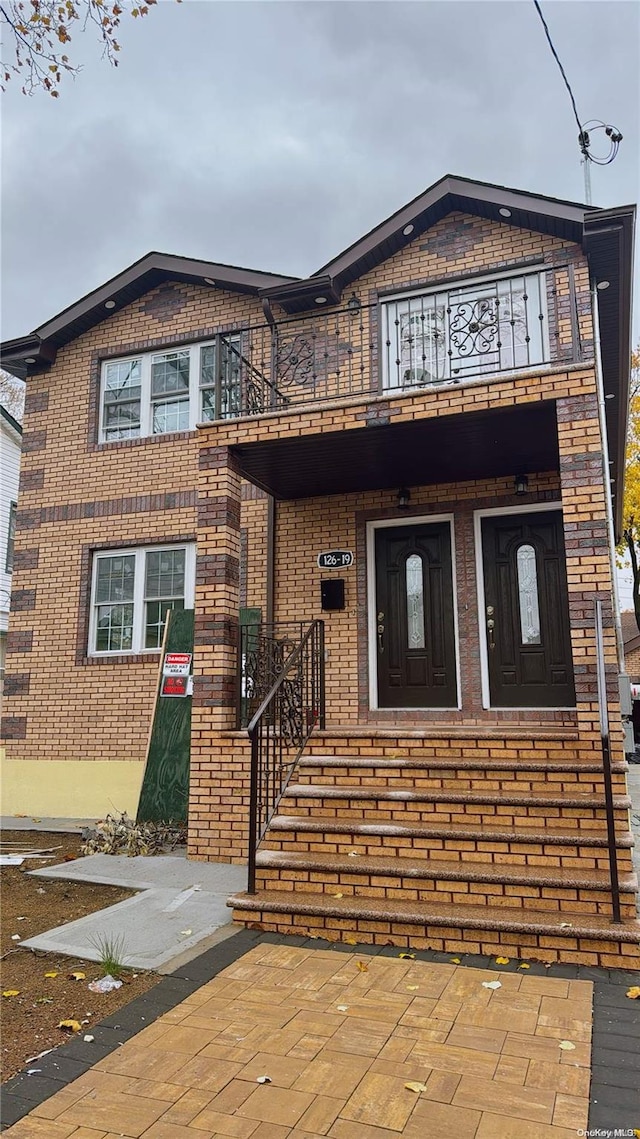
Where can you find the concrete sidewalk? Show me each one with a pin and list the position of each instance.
(355, 1042)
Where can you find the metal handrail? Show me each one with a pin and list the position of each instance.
(606, 763)
(279, 730)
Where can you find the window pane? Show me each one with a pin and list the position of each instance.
(170, 374)
(121, 415)
(415, 602)
(165, 574)
(114, 632)
(155, 621)
(229, 379)
(114, 578)
(170, 415)
(528, 596)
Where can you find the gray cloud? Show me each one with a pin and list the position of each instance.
(272, 135)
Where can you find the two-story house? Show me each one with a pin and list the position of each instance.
(408, 467)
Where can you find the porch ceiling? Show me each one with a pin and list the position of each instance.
(456, 448)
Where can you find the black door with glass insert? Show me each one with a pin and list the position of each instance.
(415, 638)
(526, 611)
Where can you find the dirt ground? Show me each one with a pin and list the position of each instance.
(31, 906)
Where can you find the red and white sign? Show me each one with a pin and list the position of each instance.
(176, 664)
(175, 686)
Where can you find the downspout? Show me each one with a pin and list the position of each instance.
(271, 559)
(607, 479)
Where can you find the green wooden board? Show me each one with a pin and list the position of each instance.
(165, 787)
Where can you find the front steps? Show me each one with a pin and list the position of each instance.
(481, 844)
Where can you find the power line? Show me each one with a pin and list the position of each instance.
(558, 61)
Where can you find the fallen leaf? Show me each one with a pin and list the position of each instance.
(352, 854)
(44, 1000)
(337, 895)
(414, 1086)
(565, 925)
(35, 820)
(502, 960)
(51, 974)
(634, 992)
(566, 1046)
(412, 988)
(69, 858)
(15, 937)
(362, 968)
(11, 993)
(70, 1025)
(454, 960)
(186, 932)
(492, 984)
(88, 1039)
(21, 919)
(524, 965)
(342, 1008)
(77, 976)
(350, 941)
(263, 1080)
(407, 956)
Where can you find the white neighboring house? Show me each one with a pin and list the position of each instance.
(11, 442)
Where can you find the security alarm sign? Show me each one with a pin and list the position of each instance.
(176, 664)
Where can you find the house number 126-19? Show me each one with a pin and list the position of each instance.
(335, 559)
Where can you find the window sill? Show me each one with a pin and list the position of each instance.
(123, 658)
(141, 440)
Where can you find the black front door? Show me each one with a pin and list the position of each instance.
(526, 611)
(415, 639)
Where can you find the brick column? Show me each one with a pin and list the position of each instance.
(217, 592)
(588, 556)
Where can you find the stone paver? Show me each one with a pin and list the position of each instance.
(340, 1035)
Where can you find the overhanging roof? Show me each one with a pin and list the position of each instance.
(483, 444)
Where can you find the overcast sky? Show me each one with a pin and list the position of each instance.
(272, 135)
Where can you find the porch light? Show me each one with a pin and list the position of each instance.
(602, 285)
(520, 484)
(109, 304)
(404, 498)
(354, 305)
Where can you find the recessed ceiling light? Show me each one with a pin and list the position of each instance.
(208, 281)
(504, 212)
(610, 395)
(321, 300)
(29, 359)
(407, 230)
(109, 304)
(602, 285)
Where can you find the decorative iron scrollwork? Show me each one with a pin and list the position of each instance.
(474, 326)
(295, 356)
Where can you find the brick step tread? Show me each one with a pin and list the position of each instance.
(433, 795)
(433, 869)
(444, 730)
(457, 763)
(461, 916)
(478, 833)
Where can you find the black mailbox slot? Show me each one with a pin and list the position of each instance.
(332, 593)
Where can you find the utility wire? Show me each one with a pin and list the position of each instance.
(557, 59)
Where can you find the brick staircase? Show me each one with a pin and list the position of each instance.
(463, 840)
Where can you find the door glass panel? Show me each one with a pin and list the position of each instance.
(415, 602)
(528, 596)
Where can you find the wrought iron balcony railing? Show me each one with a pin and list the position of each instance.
(436, 337)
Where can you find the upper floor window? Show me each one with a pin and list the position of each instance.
(446, 336)
(132, 592)
(153, 393)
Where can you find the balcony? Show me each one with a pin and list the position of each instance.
(408, 341)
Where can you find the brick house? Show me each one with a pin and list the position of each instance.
(405, 468)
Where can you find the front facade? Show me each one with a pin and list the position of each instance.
(403, 461)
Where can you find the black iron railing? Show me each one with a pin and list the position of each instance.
(436, 337)
(606, 763)
(281, 725)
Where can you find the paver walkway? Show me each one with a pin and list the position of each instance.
(340, 1035)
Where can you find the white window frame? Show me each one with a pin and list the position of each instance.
(140, 554)
(389, 300)
(195, 394)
